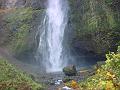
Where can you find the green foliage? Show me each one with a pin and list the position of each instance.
(118, 49)
(107, 77)
(109, 2)
(19, 42)
(12, 79)
(95, 21)
(19, 23)
(19, 15)
(111, 19)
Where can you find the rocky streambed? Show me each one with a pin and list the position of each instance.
(52, 81)
(57, 80)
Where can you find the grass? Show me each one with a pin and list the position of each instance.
(13, 79)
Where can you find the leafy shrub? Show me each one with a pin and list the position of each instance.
(12, 79)
(107, 77)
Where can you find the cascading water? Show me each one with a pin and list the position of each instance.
(56, 27)
(51, 39)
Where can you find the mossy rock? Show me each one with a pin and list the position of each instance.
(22, 27)
(70, 70)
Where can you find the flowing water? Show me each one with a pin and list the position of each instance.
(51, 39)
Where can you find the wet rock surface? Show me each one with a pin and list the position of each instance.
(36, 4)
(52, 81)
(56, 81)
(70, 70)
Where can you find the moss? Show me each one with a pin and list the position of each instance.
(111, 19)
(19, 15)
(95, 19)
(19, 23)
(109, 2)
(19, 42)
(13, 79)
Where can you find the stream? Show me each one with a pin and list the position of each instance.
(56, 80)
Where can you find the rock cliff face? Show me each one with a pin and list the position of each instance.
(19, 22)
(36, 4)
(93, 25)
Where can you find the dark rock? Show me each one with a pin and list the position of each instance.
(48, 82)
(66, 79)
(99, 64)
(20, 3)
(35, 4)
(70, 70)
(2, 4)
(32, 77)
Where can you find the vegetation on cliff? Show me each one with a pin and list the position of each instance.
(13, 79)
(19, 23)
(107, 77)
(96, 22)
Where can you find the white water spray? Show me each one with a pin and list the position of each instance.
(56, 27)
(51, 40)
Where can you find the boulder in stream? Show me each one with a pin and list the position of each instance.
(70, 70)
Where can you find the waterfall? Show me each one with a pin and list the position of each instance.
(51, 39)
(56, 27)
